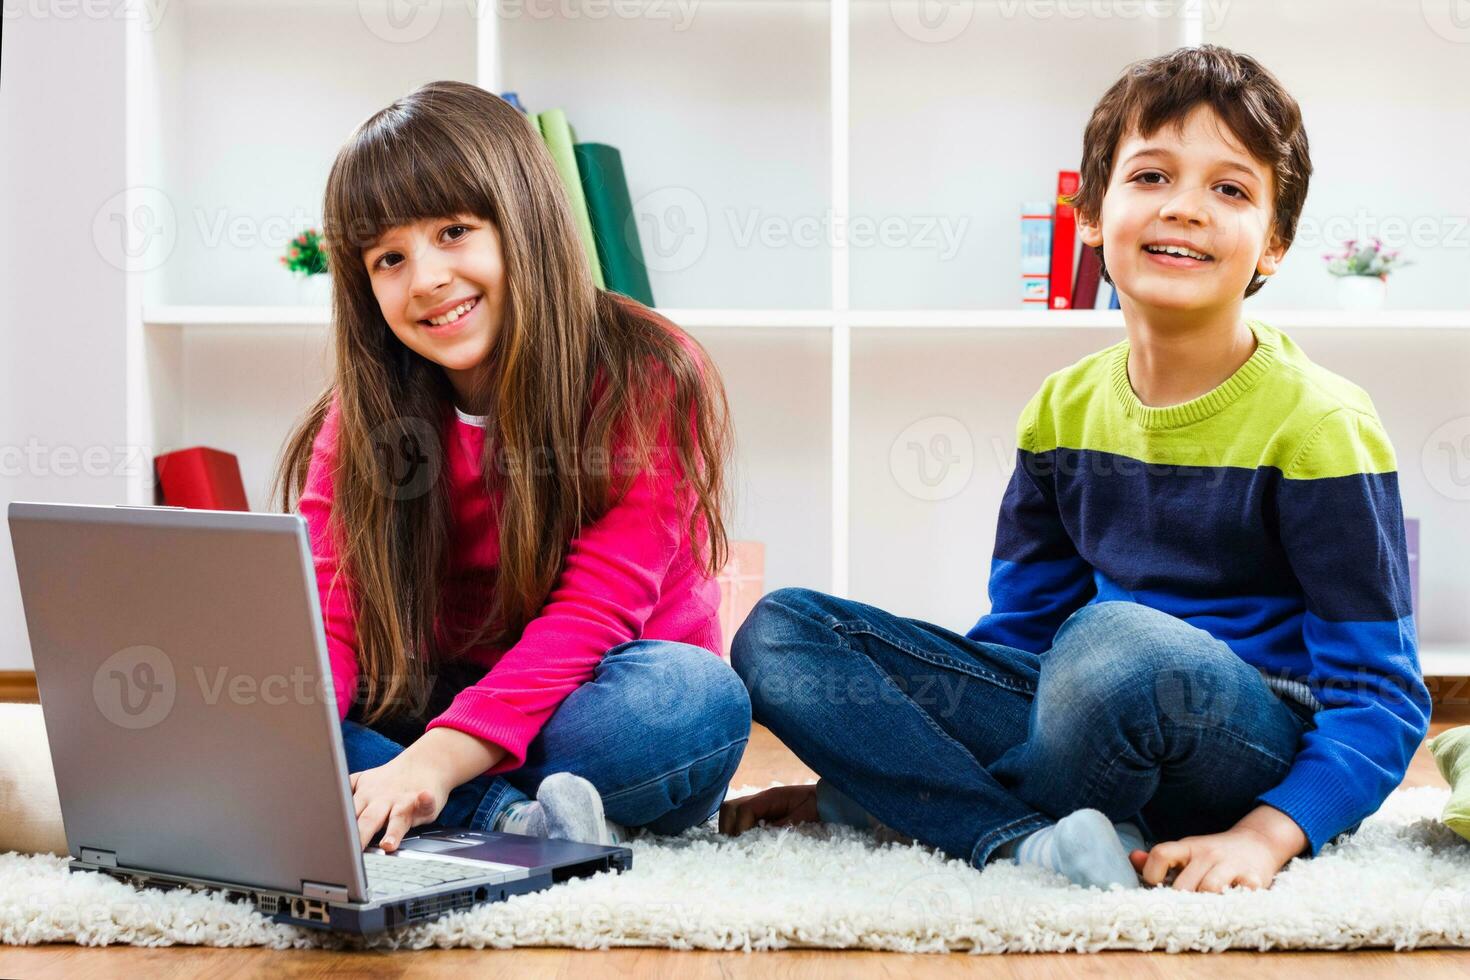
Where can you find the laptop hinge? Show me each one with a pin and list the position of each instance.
(328, 893)
(95, 855)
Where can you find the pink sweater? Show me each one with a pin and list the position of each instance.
(630, 575)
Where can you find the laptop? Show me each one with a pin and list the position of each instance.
(187, 695)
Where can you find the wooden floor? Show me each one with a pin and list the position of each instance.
(765, 760)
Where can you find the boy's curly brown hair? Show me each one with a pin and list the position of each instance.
(1164, 90)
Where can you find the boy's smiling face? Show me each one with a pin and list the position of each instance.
(1193, 187)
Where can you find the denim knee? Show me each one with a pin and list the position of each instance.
(777, 618)
(1123, 660)
(726, 703)
(698, 700)
(698, 733)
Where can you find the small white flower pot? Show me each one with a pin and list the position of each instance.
(314, 290)
(1361, 292)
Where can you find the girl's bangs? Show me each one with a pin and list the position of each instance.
(392, 178)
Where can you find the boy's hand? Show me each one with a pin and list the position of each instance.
(1248, 854)
(780, 806)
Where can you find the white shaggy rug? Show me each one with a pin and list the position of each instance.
(1402, 881)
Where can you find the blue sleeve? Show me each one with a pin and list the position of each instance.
(1344, 537)
(1037, 579)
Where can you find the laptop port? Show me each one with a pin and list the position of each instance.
(310, 909)
(585, 869)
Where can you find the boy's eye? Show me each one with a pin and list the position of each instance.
(1149, 177)
(1233, 190)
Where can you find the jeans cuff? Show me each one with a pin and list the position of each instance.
(497, 799)
(993, 839)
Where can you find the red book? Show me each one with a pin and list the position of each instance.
(1089, 276)
(1063, 242)
(201, 478)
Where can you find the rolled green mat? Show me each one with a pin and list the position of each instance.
(557, 133)
(1451, 751)
(613, 225)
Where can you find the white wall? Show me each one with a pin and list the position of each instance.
(61, 301)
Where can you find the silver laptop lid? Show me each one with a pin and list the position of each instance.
(187, 693)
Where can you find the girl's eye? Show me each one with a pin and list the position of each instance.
(386, 255)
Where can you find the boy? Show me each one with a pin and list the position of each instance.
(1200, 631)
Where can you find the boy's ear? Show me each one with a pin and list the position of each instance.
(1089, 230)
(1271, 258)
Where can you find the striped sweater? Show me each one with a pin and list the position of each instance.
(1265, 512)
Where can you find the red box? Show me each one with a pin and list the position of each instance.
(200, 478)
(741, 582)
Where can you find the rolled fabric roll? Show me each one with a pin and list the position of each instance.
(30, 810)
(1451, 751)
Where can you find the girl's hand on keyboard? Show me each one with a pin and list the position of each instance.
(401, 795)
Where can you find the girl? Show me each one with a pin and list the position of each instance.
(514, 489)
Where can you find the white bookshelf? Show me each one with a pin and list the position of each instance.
(759, 127)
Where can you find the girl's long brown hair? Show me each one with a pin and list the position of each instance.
(577, 376)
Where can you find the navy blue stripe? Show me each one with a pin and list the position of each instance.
(1028, 529)
(1345, 535)
(1203, 531)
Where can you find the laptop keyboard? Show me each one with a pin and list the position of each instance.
(386, 873)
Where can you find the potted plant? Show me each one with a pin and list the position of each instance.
(1362, 270)
(306, 257)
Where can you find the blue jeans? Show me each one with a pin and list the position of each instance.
(659, 730)
(964, 745)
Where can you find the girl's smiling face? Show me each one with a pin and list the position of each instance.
(1193, 189)
(440, 283)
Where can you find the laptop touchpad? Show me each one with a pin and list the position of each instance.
(432, 845)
